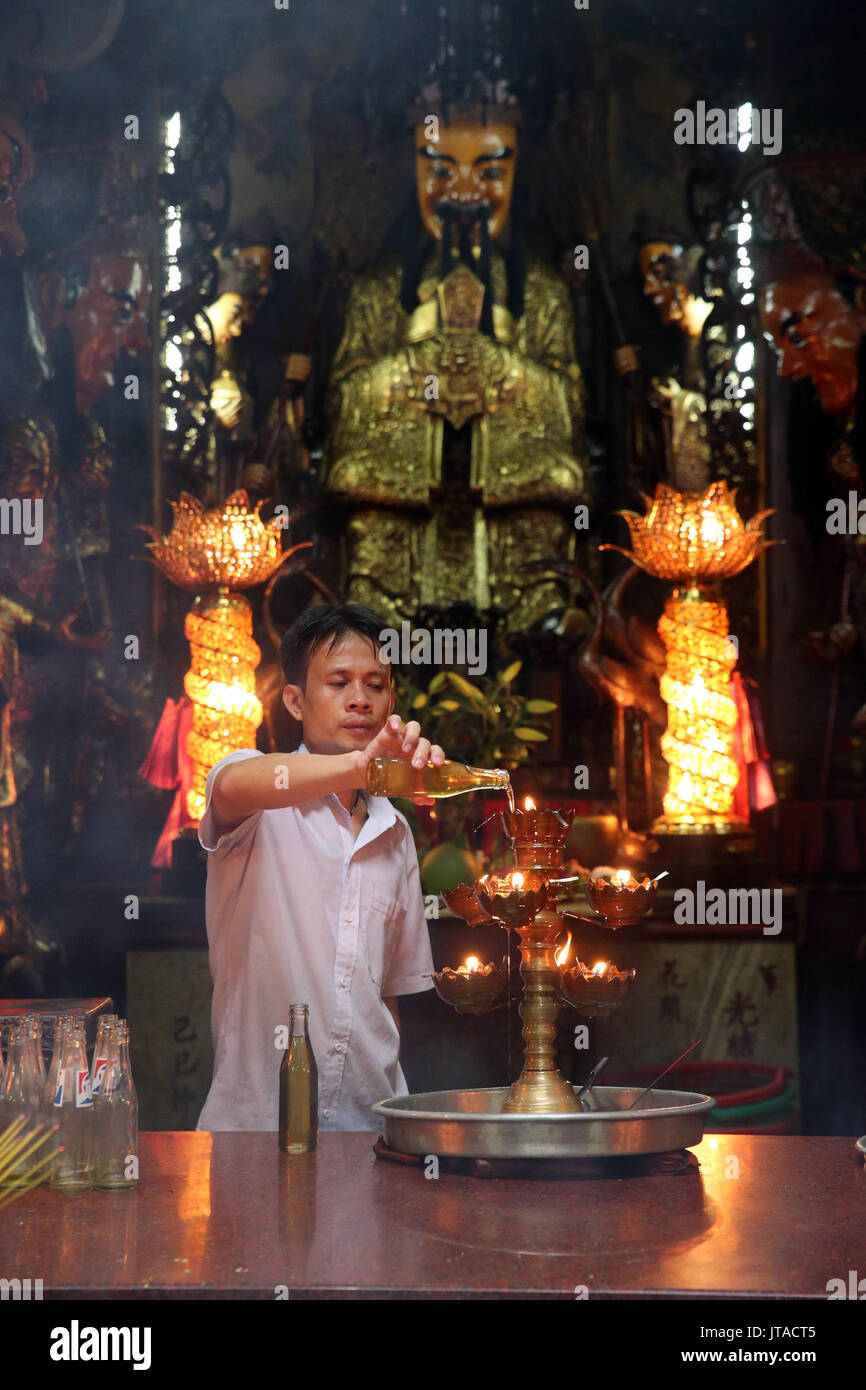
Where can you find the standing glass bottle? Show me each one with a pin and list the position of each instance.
(105, 1024)
(73, 1110)
(22, 1090)
(115, 1116)
(299, 1087)
(34, 1034)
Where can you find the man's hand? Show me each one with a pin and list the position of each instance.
(399, 740)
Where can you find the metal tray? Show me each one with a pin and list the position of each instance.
(470, 1124)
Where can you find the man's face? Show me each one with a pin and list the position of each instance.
(16, 168)
(347, 699)
(108, 316)
(668, 295)
(470, 167)
(816, 333)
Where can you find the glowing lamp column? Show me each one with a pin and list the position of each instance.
(696, 539)
(217, 554)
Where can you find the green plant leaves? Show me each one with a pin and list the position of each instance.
(539, 706)
(530, 735)
(507, 676)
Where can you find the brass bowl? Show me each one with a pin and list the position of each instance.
(595, 996)
(473, 992)
(463, 901)
(514, 907)
(620, 907)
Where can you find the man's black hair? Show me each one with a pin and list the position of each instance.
(325, 622)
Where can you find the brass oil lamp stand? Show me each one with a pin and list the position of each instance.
(524, 900)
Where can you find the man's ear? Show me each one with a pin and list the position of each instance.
(293, 701)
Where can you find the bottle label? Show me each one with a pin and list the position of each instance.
(82, 1087)
(58, 1094)
(98, 1071)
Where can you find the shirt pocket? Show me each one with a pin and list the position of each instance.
(383, 918)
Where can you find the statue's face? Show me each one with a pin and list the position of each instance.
(260, 259)
(109, 316)
(16, 169)
(471, 167)
(816, 333)
(667, 294)
(228, 314)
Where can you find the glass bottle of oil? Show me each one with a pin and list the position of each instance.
(397, 777)
(299, 1087)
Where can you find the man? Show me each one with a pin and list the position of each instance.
(313, 892)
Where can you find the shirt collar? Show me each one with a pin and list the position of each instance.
(380, 812)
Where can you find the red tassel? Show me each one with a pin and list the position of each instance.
(160, 766)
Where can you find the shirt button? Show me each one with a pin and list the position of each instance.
(348, 916)
(338, 1047)
(344, 984)
(327, 1114)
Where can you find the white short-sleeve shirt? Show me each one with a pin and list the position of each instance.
(299, 911)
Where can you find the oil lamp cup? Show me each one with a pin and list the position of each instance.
(513, 898)
(618, 904)
(538, 837)
(463, 901)
(472, 991)
(596, 993)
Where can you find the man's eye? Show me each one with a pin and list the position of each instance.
(492, 173)
(441, 171)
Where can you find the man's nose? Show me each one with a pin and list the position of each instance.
(358, 696)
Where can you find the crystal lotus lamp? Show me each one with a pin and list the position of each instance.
(216, 554)
(696, 540)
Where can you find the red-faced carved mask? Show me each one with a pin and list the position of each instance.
(815, 329)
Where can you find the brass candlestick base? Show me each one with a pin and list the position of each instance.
(541, 1089)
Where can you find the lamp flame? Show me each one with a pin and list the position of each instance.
(472, 964)
(599, 967)
(517, 880)
(561, 955)
(528, 804)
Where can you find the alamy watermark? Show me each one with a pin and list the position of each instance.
(720, 907)
(22, 517)
(441, 647)
(846, 518)
(747, 126)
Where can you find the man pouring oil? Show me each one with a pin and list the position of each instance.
(313, 891)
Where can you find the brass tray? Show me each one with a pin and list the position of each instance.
(470, 1124)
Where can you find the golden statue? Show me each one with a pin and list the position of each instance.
(455, 403)
(670, 441)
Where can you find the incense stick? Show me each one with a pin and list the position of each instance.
(662, 1074)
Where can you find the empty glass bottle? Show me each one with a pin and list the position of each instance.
(299, 1087)
(52, 1074)
(104, 1025)
(72, 1170)
(33, 1024)
(115, 1116)
(22, 1089)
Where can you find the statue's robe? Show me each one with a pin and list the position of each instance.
(446, 497)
